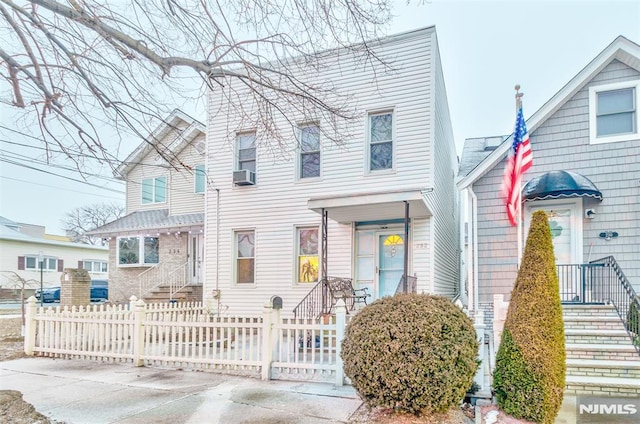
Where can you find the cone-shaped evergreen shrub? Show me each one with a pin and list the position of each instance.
(413, 353)
(530, 364)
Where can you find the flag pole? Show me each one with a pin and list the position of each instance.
(519, 198)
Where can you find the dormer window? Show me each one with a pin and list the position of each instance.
(613, 114)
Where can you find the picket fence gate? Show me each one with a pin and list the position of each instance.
(187, 336)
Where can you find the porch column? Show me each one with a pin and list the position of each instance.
(406, 246)
(325, 218)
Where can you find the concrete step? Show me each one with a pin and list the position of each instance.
(594, 322)
(601, 368)
(597, 336)
(589, 310)
(602, 386)
(615, 352)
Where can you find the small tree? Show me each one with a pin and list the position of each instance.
(529, 378)
(86, 218)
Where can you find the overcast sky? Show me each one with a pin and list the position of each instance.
(486, 48)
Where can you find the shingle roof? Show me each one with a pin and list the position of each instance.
(153, 220)
(475, 150)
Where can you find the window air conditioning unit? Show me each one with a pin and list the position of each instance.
(244, 177)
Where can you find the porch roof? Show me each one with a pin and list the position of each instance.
(152, 221)
(372, 206)
(560, 184)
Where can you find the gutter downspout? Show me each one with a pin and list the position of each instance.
(473, 255)
(218, 246)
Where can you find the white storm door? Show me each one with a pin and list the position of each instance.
(196, 258)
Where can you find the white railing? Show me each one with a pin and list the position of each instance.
(176, 278)
(186, 335)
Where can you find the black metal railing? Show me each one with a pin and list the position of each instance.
(622, 296)
(583, 283)
(314, 304)
(412, 285)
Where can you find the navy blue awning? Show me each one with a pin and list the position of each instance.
(560, 184)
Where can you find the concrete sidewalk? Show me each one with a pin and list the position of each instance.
(84, 392)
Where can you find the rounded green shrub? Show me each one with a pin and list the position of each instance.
(413, 353)
(529, 377)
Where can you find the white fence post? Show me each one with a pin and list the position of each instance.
(30, 326)
(480, 327)
(267, 340)
(138, 330)
(341, 321)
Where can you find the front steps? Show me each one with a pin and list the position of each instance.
(601, 360)
(161, 294)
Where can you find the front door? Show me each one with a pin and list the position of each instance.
(196, 256)
(390, 262)
(565, 222)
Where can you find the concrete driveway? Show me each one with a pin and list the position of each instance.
(77, 391)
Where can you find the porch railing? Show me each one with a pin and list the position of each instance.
(175, 277)
(602, 281)
(412, 285)
(315, 303)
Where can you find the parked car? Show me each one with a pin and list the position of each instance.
(99, 291)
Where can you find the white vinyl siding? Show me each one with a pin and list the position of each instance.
(613, 112)
(279, 204)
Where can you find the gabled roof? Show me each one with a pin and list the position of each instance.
(193, 129)
(157, 220)
(621, 49)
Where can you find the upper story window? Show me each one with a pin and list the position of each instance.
(246, 145)
(94, 266)
(154, 190)
(613, 114)
(200, 179)
(309, 151)
(138, 250)
(307, 255)
(380, 134)
(245, 243)
(33, 263)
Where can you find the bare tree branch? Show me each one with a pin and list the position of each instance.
(77, 65)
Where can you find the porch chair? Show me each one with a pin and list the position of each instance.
(342, 288)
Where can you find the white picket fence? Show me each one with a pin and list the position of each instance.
(186, 335)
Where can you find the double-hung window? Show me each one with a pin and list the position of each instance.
(138, 251)
(245, 246)
(309, 151)
(32, 263)
(380, 135)
(246, 145)
(154, 190)
(307, 255)
(93, 266)
(200, 179)
(613, 112)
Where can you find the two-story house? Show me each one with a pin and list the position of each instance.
(380, 205)
(586, 176)
(156, 250)
(33, 256)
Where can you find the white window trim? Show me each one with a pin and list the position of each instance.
(93, 261)
(195, 179)
(593, 103)
(298, 167)
(45, 260)
(367, 158)
(140, 252)
(234, 257)
(236, 165)
(296, 253)
(166, 190)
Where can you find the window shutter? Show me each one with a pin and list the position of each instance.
(79, 264)
(21, 263)
(60, 265)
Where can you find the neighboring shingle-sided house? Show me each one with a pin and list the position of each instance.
(586, 176)
(156, 250)
(269, 217)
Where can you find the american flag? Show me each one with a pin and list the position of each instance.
(519, 161)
